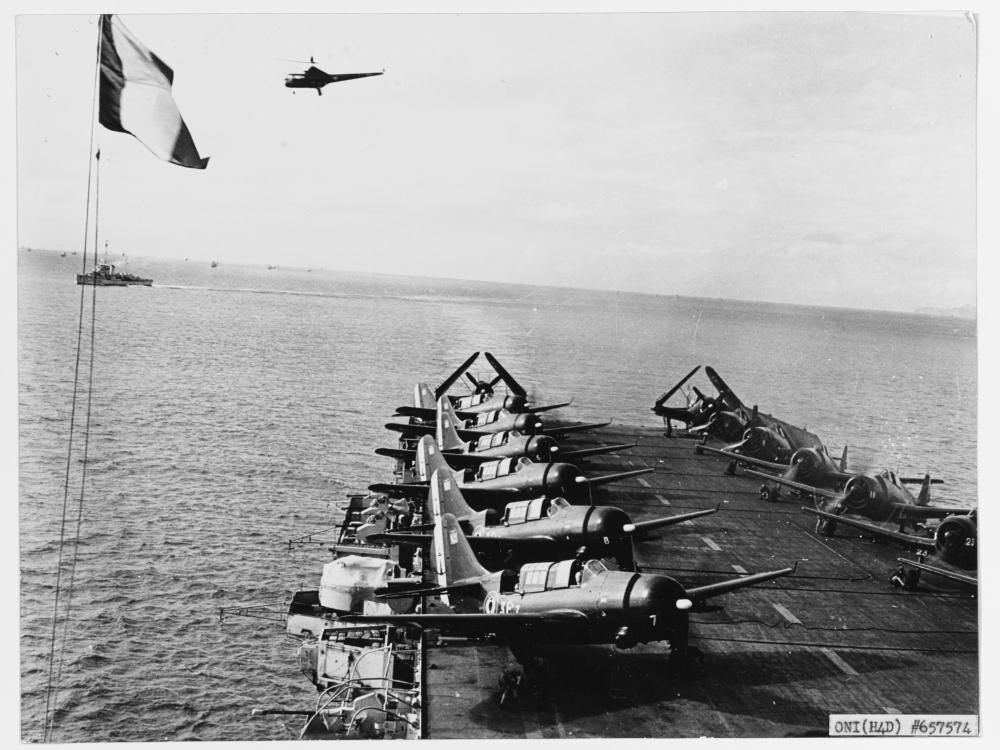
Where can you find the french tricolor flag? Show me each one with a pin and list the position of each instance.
(136, 97)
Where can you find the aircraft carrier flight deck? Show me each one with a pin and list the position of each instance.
(777, 659)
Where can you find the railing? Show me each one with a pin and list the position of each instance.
(275, 612)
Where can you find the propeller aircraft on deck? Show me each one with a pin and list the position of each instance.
(490, 447)
(726, 417)
(565, 602)
(949, 552)
(881, 497)
(812, 473)
(495, 483)
(539, 529)
(697, 412)
(483, 398)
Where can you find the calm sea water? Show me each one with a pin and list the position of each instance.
(231, 407)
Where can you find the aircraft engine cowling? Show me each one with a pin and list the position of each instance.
(955, 541)
(484, 387)
(806, 464)
(539, 448)
(726, 425)
(559, 480)
(651, 610)
(604, 529)
(526, 424)
(765, 443)
(863, 495)
(514, 404)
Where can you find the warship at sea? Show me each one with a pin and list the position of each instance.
(106, 274)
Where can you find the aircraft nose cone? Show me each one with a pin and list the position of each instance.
(862, 496)
(955, 541)
(605, 532)
(856, 494)
(804, 465)
(542, 448)
(653, 606)
(726, 425)
(560, 481)
(526, 424)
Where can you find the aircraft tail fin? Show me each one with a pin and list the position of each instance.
(445, 492)
(429, 459)
(454, 561)
(924, 497)
(450, 380)
(447, 425)
(423, 398)
(512, 384)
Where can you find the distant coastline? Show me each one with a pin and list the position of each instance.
(963, 312)
(967, 312)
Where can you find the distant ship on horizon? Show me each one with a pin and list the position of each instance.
(105, 274)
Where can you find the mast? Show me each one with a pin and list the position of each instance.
(56, 659)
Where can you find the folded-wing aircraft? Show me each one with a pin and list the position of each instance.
(495, 483)
(461, 453)
(813, 474)
(759, 435)
(570, 601)
(483, 398)
(951, 552)
(488, 423)
(697, 412)
(539, 529)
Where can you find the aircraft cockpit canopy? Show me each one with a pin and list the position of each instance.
(473, 399)
(487, 418)
(526, 510)
(546, 576)
(492, 441)
(592, 569)
(495, 469)
(557, 504)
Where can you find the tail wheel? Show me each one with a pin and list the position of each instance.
(768, 494)
(826, 526)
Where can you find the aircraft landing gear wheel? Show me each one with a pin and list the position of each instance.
(699, 450)
(769, 494)
(510, 684)
(731, 469)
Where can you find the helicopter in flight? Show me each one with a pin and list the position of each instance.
(314, 78)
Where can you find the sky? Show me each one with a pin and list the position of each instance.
(811, 158)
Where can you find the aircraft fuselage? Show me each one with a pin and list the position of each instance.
(617, 607)
(597, 530)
